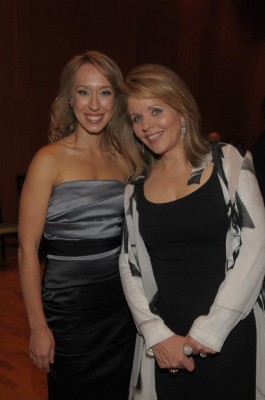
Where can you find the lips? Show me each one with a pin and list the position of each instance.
(93, 118)
(154, 137)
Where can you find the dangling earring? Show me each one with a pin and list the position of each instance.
(71, 103)
(183, 129)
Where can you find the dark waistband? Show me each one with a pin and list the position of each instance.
(80, 247)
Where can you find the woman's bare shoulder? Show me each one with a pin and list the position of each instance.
(49, 154)
(45, 164)
(124, 164)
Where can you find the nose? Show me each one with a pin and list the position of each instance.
(146, 124)
(93, 103)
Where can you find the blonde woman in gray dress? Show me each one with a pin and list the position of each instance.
(82, 334)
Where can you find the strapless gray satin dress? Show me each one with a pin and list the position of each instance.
(82, 294)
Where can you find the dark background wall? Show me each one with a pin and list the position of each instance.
(217, 46)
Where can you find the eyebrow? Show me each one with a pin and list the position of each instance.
(101, 87)
(148, 108)
(154, 105)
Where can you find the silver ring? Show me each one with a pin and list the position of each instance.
(203, 355)
(187, 350)
(173, 371)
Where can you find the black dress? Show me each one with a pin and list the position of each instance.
(186, 241)
(82, 294)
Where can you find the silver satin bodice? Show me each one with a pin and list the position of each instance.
(85, 210)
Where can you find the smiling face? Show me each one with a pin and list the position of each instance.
(92, 99)
(156, 124)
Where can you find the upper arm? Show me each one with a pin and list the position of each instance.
(35, 195)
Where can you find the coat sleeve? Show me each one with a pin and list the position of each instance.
(149, 324)
(240, 289)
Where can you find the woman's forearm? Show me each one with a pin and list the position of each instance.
(30, 278)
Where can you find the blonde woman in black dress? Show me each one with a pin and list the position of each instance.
(193, 258)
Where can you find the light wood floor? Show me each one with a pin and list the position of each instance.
(19, 379)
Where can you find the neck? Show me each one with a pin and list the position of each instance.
(85, 140)
(173, 160)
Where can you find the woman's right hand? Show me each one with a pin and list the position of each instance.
(41, 348)
(169, 354)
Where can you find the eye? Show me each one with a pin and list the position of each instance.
(156, 111)
(136, 118)
(106, 93)
(82, 92)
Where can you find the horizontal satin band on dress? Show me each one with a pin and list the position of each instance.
(84, 247)
(88, 257)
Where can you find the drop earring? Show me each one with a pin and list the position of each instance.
(183, 130)
(71, 103)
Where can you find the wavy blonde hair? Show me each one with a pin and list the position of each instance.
(157, 81)
(63, 121)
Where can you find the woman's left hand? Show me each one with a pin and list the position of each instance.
(169, 354)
